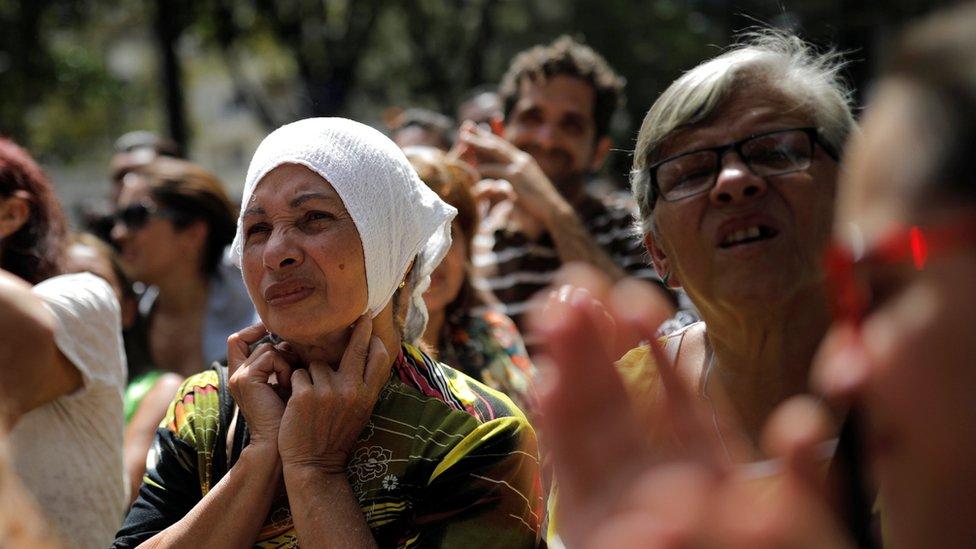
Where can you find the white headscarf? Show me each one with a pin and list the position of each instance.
(399, 218)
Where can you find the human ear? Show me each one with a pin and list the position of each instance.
(600, 152)
(14, 212)
(661, 261)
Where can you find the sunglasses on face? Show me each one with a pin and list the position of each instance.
(135, 216)
(852, 293)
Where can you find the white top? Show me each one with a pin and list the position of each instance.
(69, 451)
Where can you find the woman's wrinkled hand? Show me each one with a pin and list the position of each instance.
(255, 380)
(328, 409)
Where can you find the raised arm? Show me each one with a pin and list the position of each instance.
(538, 198)
(34, 371)
(325, 415)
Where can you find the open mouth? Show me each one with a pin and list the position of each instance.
(748, 235)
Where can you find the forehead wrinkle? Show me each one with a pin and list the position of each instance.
(253, 210)
(305, 197)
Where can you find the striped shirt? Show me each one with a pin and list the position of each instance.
(514, 268)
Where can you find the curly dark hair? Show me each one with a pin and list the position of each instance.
(35, 251)
(192, 193)
(568, 57)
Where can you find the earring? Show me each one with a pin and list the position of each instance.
(665, 279)
(402, 284)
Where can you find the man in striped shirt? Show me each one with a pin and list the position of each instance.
(558, 101)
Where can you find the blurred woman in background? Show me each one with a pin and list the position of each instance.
(485, 345)
(734, 174)
(173, 222)
(63, 367)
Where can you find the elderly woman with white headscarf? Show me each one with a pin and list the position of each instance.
(332, 429)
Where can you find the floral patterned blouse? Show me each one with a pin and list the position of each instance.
(443, 462)
(488, 347)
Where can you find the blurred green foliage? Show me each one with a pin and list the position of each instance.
(76, 74)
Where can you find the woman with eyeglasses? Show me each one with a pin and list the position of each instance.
(173, 222)
(900, 354)
(734, 174)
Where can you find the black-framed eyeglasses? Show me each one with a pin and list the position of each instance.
(135, 216)
(768, 154)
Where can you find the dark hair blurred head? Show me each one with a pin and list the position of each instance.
(422, 127)
(452, 180)
(566, 57)
(191, 193)
(33, 252)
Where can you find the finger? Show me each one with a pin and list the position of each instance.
(239, 343)
(353, 361)
(495, 170)
(563, 289)
(269, 363)
(301, 381)
(241, 368)
(487, 147)
(840, 366)
(796, 433)
(377, 367)
(321, 375)
(289, 354)
(585, 394)
(492, 190)
(684, 414)
(638, 310)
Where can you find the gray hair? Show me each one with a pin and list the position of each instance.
(778, 59)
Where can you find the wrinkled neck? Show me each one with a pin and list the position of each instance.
(763, 357)
(330, 348)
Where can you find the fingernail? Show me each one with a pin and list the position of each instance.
(844, 372)
(580, 297)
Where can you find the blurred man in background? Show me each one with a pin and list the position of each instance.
(558, 100)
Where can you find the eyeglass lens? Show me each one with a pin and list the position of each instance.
(772, 154)
(133, 216)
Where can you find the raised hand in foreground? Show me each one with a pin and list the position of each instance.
(615, 488)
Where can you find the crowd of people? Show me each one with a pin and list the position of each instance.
(451, 335)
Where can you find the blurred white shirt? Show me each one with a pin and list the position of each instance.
(69, 452)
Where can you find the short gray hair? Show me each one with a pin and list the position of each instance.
(780, 60)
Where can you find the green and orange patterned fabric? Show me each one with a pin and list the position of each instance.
(444, 461)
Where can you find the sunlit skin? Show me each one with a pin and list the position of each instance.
(169, 258)
(799, 204)
(763, 302)
(911, 367)
(303, 263)
(553, 122)
(445, 284)
(151, 252)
